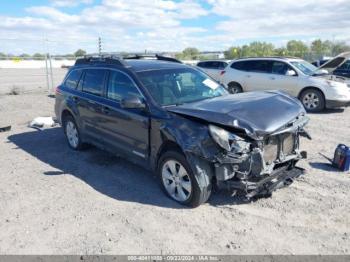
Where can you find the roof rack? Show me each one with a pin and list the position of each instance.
(156, 56)
(114, 59)
(104, 58)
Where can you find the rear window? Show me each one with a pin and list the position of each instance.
(202, 64)
(73, 79)
(212, 64)
(94, 81)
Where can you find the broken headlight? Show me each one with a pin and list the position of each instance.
(227, 140)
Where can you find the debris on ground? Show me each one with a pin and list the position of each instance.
(5, 128)
(40, 122)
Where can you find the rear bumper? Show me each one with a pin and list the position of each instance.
(266, 185)
(337, 103)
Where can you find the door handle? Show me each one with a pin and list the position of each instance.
(106, 110)
(248, 76)
(75, 98)
(272, 78)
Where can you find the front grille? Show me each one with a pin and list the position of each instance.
(271, 149)
(278, 146)
(288, 143)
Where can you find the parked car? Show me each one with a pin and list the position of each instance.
(176, 121)
(213, 67)
(343, 70)
(313, 86)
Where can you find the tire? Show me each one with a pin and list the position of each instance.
(312, 100)
(72, 133)
(234, 88)
(179, 182)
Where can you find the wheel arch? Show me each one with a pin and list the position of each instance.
(235, 83)
(167, 145)
(311, 87)
(65, 113)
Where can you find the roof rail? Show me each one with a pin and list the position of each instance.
(103, 58)
(279, 57)
(156, 56)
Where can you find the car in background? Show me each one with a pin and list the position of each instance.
(315, 88)
(176, 121)
(213, 67)
(343, 70)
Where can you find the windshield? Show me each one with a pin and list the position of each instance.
(178, 86)
(305, 67)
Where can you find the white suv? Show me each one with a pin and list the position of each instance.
(315, 87)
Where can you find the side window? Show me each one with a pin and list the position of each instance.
(215, 65)
(201, 64)
(73, 79)
(280, 68)
(120, 86)
(94, 81)
(241, 65)
(222, 65)
(259, 66)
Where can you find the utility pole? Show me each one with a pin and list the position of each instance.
(99, 46)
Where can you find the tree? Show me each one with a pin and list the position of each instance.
(3, 56)
(188, 53)
(297, 48)
(233, 52)
(24, 56)
(339, 47)
(320, 48)
(39, 56)
(79, 53)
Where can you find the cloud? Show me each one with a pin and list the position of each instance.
(169, 25)
(69, 3)
(288, 18)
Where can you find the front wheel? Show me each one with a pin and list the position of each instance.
(313, 100)
(179, 182)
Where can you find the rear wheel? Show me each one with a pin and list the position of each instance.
(72, 133)
(234, 88)
(313, 100)
(179, 182)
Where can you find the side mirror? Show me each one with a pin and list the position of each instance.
(291, 73)
(132, 101)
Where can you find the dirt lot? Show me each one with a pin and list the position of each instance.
(54, 200)
(28, 80)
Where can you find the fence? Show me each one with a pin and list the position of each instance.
(23, 75)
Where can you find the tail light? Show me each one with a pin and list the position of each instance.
(222, 72)
(57, 90)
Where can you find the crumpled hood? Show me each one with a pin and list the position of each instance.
(257, 113)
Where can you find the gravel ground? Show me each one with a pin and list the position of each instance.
(56, 201)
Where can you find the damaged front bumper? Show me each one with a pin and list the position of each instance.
(266, 185)
(263, 169)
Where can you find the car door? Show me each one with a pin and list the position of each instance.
(125, 130)
(89, 102)
(256, 75)
(283, 77)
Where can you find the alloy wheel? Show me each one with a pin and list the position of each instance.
(176, 180)
(311, 100)
(72, 134)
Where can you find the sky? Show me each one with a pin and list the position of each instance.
(63, 26)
